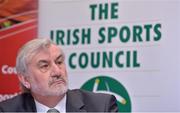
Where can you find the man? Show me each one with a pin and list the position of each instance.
(42, 73)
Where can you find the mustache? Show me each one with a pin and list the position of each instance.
(56, 78)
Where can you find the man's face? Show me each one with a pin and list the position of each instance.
(47, 73)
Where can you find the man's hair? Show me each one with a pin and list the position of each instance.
(26, 53)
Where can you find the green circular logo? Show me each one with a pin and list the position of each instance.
(108, 85)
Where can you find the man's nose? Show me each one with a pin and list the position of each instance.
(55, 69)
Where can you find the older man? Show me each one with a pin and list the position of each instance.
(42, 73)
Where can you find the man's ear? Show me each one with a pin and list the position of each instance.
(24, 80)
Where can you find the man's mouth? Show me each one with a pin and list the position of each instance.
(57, 81)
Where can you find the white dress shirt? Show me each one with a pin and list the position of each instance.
(61, 106)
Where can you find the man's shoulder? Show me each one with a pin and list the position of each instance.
(92, 102)
(14, 102)
(14, 99)
(90, 96)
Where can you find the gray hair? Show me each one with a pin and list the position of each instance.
(28, 51)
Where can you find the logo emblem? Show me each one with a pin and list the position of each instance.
(108, 85)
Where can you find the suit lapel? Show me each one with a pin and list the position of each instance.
(74, 102)
(28, 103)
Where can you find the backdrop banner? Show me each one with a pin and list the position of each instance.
(128, 48)
(18, 24)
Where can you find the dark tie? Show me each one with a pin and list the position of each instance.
(53, 110)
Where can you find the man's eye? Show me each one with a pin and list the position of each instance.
(44, 66)
(59, 62)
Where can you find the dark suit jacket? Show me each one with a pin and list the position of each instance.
(77, 101)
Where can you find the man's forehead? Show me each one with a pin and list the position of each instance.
(53, 52)
(55, 47)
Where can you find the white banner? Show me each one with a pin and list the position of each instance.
(126, 48)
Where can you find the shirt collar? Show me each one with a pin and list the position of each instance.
(61, 106)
